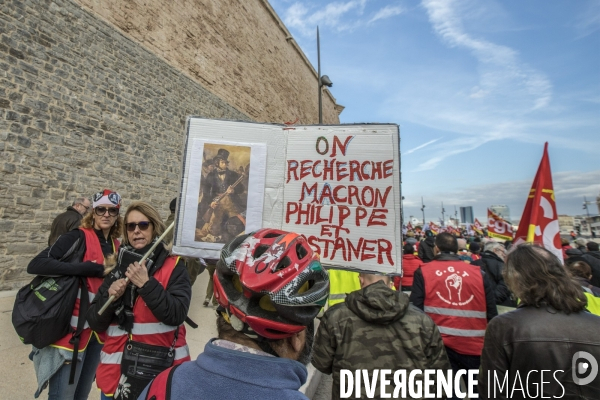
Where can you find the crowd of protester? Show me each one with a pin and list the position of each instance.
(441, 313)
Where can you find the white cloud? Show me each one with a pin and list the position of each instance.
(386, 12)
(588, 20)
(334, 16)
(569, 186)
(420, 147)
(499, 64)
(493, 101)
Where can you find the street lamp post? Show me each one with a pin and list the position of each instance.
(587, 212)
(323, 80)
(402, 211)
(456, 218)
(423, 209)
(585, 206)
(443, 214)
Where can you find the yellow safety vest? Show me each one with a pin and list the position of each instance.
(593, 304)
(341, 283)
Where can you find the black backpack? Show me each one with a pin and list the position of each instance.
(43, 309)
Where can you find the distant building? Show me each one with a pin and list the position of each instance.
(502, 211)
(595, 225)
(466, 215)
(566, 224)
(581, 224)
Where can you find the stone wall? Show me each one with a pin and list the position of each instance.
(83, 107)
(239, 50)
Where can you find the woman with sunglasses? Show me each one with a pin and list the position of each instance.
(149, 309)
(97, 235)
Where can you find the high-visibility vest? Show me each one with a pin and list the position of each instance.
(341, 283)
(593, 304)
(146, 329)
(93, 252)
(455, 301)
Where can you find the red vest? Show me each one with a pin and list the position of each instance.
(455, 300)
(93, 252)
(146, 329)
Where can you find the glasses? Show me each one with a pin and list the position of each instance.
(143, 225)
(112, 211)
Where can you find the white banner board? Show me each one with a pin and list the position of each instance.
(338, 185)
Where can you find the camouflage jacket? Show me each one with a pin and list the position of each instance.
(376, 328)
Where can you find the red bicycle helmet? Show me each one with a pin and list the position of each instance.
(271, 283)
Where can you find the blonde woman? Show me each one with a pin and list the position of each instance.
(149, 311)
(98, 233)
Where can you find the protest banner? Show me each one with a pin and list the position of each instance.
(338, 186)
(498, 228)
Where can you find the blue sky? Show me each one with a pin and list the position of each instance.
(477, 87)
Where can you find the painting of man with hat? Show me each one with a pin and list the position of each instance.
(223, 193)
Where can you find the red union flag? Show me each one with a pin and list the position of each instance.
(477, 227)
(539, 222)
(498, 228)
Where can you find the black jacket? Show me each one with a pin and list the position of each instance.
(535, 339)
(47, 262)
(492, 265)
(170, 306)
(417, 295)
(212, 186)
(426, 249)
(593, 258)
(64, 223)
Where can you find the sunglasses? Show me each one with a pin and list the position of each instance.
(143, 225)
(112, 211)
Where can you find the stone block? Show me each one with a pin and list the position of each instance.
(8, 168)
(39, 193)
(21, 248)
(6, 225)
(28, 201)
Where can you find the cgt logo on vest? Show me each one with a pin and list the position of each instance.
(454, 283)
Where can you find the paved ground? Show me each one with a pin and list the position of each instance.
(18, 377)
(324, 389)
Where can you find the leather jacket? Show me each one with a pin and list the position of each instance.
(529, 340)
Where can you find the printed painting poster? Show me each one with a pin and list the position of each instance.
(338, 186)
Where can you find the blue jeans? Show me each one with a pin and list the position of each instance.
(59, 388)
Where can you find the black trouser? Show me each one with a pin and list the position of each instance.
(462, 361)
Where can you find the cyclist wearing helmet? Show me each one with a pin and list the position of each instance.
(270, 286)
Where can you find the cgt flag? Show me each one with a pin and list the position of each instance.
(539, 222)
(499, 228)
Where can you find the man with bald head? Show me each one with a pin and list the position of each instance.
(376, 328)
